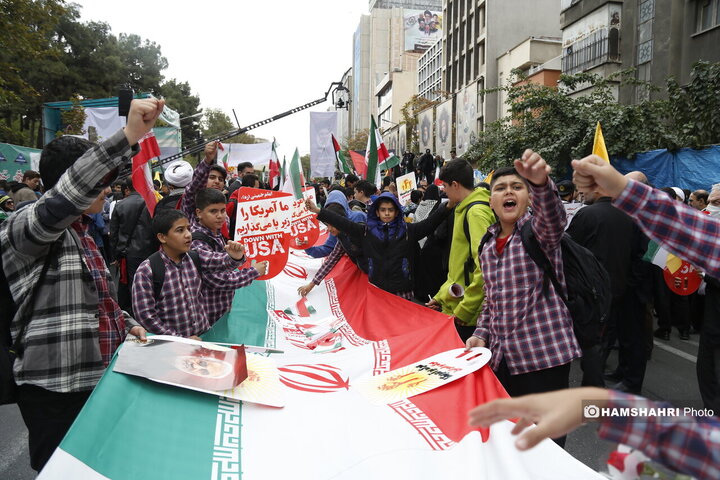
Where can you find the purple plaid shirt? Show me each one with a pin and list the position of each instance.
(198, 182)
(330, 261)
(531, 330)
(218, 288)
(691, 447)
(682, 230)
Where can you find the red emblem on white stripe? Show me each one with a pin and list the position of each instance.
(320, 378)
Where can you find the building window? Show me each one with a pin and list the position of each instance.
(644, 52)
(647, 10)
(707, 14)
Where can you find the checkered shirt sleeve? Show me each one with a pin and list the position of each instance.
(198, 182)
(329, 263)
(685, 444)
(682, 230)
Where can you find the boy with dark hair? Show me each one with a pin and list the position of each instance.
(387, 241)
(364, 190)
(526, 325)
(216, 177)
(178, 308)
(251, 180)
(471, 219)
(69, 324)
(206, 210)
(25, 191)
(351, 180)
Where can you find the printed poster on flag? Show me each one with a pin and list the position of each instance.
(405, 185)
(263, 226)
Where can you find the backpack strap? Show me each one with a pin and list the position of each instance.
(206, 239)
(532, 247)
(469, 266)
(157, 266)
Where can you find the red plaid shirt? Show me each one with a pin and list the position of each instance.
(684, 444)
(111, 328)
(532, 330)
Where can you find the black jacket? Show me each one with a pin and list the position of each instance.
(131, 229)
(426, 163)
(609, 234)
(389, 261)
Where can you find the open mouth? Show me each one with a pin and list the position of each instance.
(509, 204)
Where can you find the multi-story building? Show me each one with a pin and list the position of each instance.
(430, 72)
(659, 38)
(477, 32)
(386, 48)
(537, 58)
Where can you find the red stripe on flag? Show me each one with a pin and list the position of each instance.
(141, 173)
(359, 163)
(302, 307)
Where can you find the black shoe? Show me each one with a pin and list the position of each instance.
(684, 335)
(612, 376)
(662, 334)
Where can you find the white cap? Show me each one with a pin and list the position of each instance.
(179, 174)
(678, 191)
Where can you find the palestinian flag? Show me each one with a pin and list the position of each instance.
(294, 177)
(377, 156)
(327, 428)
(142, 174)
(340, 156)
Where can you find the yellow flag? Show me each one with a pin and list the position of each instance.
(157, 176)
(599, 144)
(488, 179)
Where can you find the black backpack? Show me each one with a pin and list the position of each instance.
(588, 284)
(157, 266)
(469, 266)
(208, 240)
(9, 350)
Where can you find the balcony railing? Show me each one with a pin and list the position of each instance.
(599, 47)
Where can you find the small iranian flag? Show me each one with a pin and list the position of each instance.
(344, 167)
(294, 178)
(225, 157)
(302, 308)
(657, 255)
(141, 172)
(274, 179)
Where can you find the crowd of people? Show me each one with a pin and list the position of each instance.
(455, 246)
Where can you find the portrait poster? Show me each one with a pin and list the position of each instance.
(443, 129)
(402, 140)
(263, 226)
(391, 141)
(422, 29)
(425, 130)
(465, 123)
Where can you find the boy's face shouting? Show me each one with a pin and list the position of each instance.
(178, 238)
(386, 212)
(213, 216)
(509, 198)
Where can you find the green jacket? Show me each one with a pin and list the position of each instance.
(466, 308)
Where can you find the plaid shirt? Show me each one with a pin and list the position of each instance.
(61, 346)
(218, 288)
(329, 263)
(198, 182)
(682, 230)
(179, 309)
(111, 328)
(691, 447)
(530, 329)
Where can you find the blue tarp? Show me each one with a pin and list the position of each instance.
(684, 168)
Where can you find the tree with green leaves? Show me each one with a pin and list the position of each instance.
(358, 140)
(410, 111)
(561, 126)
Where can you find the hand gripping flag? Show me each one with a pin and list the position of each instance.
(599, 144)
(141, 172)
(344, 167)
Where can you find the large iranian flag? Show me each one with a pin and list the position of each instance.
(134, 428)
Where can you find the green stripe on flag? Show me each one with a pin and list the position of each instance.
(149, 414)
(372, 153)
(247, 319)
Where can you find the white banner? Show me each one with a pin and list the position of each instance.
(256, 153)
(322, 154)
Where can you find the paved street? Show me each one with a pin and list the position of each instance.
(670, 375)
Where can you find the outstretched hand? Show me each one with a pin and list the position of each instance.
(533, 168)
(141, 118)
(211, 152)
(554, 413)
(592, 173)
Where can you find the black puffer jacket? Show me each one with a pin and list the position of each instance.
(131, 229)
